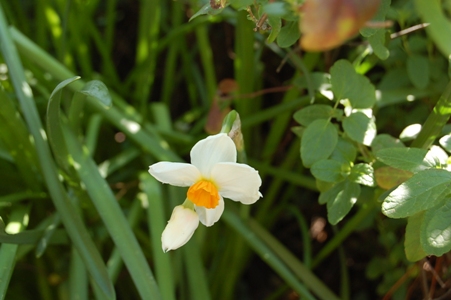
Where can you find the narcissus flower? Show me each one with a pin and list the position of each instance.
(180, 228)
(212, 176)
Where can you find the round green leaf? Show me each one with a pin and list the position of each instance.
(311, 113)
(318, 142)
(289, 34)
(418, 71)
(435, 233)
(347, 84)
(329, 170)
(360, 128)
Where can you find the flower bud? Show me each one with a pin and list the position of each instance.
(180, 228)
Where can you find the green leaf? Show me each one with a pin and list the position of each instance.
(412, 244)
(329, 170)
(113, 217)
(410, 132)
(445, 142)
(16, 139)
(276, 25)
(439, 26)
(382, 141)
(319, 81)
(435, 233)
(424, 190)
(156, 222)
(276, 9)
(99, 91)
(344, 152)
(418, 71)
(53, 118)
(377, 42)
(18, 222)
(437, 157)
(206, 10)
(362, 174)
(409, 159)
(360, 128)
(241, 4)
(389, 177)
(289, 34)
(347, 84)
(340, 199)
(318, 142)
(313, 112)
(384, 6)
(72, 222)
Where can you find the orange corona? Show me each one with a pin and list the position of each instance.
(204, 193)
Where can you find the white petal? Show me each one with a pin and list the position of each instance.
(209, 216)
(178, 174)
(238, 182)
(211, 150)
(180, 228)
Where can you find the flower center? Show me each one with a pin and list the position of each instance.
(204, 193)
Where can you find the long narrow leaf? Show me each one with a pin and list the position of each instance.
(18, 222)
(73, 223)
(113, 217)
(156, 221)
(266, 253)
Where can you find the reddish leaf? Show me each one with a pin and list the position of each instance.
(220, 108)
(388, 177)
(326, 24)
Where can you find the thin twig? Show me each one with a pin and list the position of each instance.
(408, 30)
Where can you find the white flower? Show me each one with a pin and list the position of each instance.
(212, 176)
(180, 228)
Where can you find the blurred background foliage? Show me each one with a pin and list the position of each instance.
(84, 219)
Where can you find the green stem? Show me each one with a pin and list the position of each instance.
(434, 123)
(245, 70)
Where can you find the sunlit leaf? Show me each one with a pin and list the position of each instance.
(435, 233)
(410, 197)
(410, 132)
(340, 199)
(360, 128)
(445, 142)
(408, 159)
(362, 174)
(382, 141)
